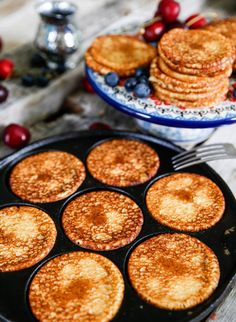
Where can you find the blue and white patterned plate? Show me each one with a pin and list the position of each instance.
(154, 111)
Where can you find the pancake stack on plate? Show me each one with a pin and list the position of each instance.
(118, 53)
(192, 68)
(227, 28)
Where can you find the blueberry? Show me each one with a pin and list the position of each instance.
(143, 80)
(28, 80)
(142, 90)
(37, 61)
(234, 92)
(112, 79)
(42, 81)
(130, 83)
(141, 71)
(61, 68)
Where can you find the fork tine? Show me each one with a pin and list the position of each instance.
(196, 154)
(194, 161)
(201, 148)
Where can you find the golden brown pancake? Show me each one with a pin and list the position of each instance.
(77, 286)
(102, 69)
(185, 201)
(173, 271)
(227, 28)
(102, 220)
(122, 52)
(47, 176)
(27, 235)
(123, 162)
(196, 49)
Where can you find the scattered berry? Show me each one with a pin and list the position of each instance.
(87, 86)
(143, 80)
(99, 126)
(234, 93)
(112, 79)
(42, 81)
(142, 91)
(16, 136)
(130, 84)
(177, 24)
(28, 80)
(6, 68)
(61, 68)
(37, 61)
(197, 21)
(154, 31)
(169, 10)
(3, 93)
(141, 71)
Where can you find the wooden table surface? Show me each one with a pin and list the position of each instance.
(18, 26)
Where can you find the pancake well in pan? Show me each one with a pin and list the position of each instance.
(102, 220)
(185, 201)
(123, 163)
(77, 286)
(173, 271)
(27, 235)
(47, 176)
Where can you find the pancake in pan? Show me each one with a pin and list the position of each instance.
(27, 235)
(102, 220)
(173, 271)
(196, 49)
(122, 52)
(123, 163)
(77, 286)
(185, 201)
(47, 176)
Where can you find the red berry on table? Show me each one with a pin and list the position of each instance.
(16, 136)
(6, 68)
(87, 86)
(196, 21)
(169, 10)
(154, 31)
(3, 93)
(99, 126)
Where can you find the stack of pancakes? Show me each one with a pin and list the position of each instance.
(192, 68)
(227, 28)
(118, 53)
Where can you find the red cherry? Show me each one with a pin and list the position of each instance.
(198, 21)
(99, 126)
(16, 136)
(6, 68)
(3, 93)
(154, 31)
(87, 86)
(169, 10)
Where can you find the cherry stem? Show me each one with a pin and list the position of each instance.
(200, 16)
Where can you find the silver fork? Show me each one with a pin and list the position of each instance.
(202, 154)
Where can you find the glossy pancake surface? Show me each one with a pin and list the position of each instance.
(77, 286)
(122, 162)
(185, 201)
(196, 49)
(122, 51)
(47, 176)
(173, 271)
(102, 220)
(27, 235)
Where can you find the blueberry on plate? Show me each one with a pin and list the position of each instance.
(142, 90)
(130, 83)
(42, 81)
(141, 71)
(28, 80)
(112, 79)
(143, 80)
